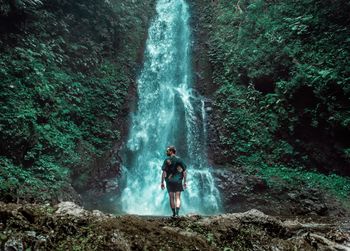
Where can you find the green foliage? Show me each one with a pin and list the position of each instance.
(42, 182)
(249, 126)
(64, 81)
(281, 72)
(282, 75)
(282, 176)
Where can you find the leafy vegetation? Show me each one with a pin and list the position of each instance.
(66, 69)
(282, 176)
(281, 74)
(280, 70)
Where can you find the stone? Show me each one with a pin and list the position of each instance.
(208, 109)
(98, 213)
(293, 196)
(13, 244)
(111, 185)
(70, 208)
(31, 233)
(253, 229)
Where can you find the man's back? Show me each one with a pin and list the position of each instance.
(176, 168)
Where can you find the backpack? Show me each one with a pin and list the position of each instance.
(174, 168)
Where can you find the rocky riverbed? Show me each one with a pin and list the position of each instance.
(67, 226)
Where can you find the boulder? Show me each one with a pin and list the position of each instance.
(68, 207)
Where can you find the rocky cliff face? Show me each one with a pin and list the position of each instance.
(241, 192)
(203, 74)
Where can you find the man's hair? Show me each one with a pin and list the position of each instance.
(172, 148)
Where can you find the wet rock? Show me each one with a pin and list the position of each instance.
(30, 233)
(13, 244)
(98, 213)
(292, 196)
(241, 192)
(70, 208)
(111, 185)
(28, 214)
(209, 109)
(308, 202)
(251, 230)
(69, 194)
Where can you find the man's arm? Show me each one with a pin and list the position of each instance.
(162, 181)
(185, 177)
(184, 167)
(163, 176)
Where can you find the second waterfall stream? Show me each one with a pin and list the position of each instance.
(168, 113)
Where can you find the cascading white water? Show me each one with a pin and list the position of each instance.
(168, 113)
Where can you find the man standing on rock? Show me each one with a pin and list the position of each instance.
(174, 172)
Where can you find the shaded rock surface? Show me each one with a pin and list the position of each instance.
(42, 227)
(241, 192)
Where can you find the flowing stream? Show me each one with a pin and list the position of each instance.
(168, 113)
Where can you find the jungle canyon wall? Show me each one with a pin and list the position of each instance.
(67, 71)
(275, 74)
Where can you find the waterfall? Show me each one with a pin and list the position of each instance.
(168, 113)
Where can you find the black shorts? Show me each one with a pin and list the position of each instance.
(174, 187)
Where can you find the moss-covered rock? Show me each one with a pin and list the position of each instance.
(35, 227)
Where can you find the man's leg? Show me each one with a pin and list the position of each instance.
(177, 202)
(172, 202)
